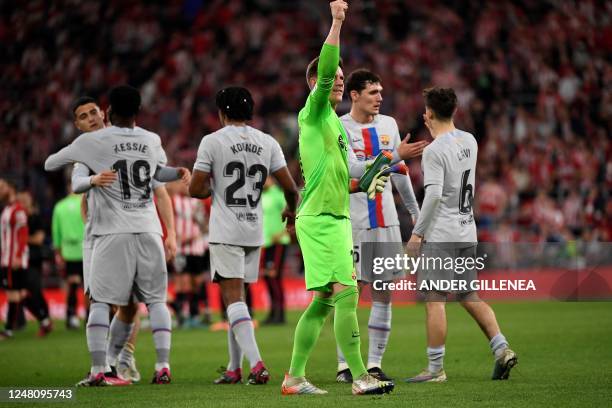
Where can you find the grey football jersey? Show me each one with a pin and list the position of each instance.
(450, 161)
(135, 153)
(82, 171)
(240, 158)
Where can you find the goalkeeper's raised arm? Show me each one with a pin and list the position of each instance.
(323, 76)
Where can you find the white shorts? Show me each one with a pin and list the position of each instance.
(234, 262)
(122, 264)
(373, 243)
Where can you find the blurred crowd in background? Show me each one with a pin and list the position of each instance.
(534, 81)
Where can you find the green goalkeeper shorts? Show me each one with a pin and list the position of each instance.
(326, 242)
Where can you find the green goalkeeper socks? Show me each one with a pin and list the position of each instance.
(346, 328)
(307, 333)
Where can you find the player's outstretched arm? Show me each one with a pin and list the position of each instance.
(200, 184)
(406, 151)
(329, 59)
(338, 11)
(284, 179)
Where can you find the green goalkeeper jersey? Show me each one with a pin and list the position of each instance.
(67, 228)
(323, 146)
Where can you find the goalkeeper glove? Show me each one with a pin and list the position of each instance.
(378, 183)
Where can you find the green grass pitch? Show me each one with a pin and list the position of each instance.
(565, 359)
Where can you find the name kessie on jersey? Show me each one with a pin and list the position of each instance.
(131, 147)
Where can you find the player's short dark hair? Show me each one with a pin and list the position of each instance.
(83, 100)
(124, 101)
(313, 69)
(236, 103)
(442, 101)
(359, 79)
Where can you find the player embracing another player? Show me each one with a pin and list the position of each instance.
(128, 253)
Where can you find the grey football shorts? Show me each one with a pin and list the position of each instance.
(234, 262)
(122, 264)
(385, 242)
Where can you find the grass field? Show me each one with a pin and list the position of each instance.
(565, 359)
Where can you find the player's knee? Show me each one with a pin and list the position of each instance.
(232, 290)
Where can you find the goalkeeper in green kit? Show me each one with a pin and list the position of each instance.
(323, 223)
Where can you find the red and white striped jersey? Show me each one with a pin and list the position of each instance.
(189, 216)
(14, 242)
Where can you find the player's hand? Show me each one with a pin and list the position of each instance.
(170, 247)
(378, 183)
(104, 179)
(289, 217)
(184, 174)
(411, 150)
(414, 246)
(338, 9)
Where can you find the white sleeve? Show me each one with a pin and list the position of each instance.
(278, 158)
(403, 186)
(433, 195)
(356, 166)
(204, 159)
(81, 178)
(433, 169)
(67, 155)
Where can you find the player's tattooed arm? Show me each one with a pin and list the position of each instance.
(200, 184)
